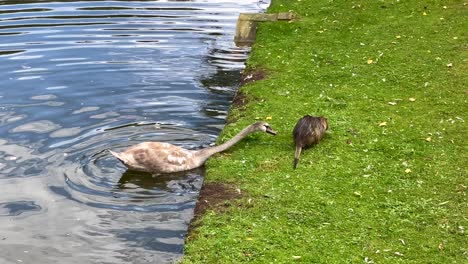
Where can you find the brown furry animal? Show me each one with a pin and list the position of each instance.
(308, 131)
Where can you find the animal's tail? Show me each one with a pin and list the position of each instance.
(296, 156)
(119, 156)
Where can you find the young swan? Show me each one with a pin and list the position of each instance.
(166, 158)
(308, 131)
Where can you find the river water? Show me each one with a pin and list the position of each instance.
(81, 77)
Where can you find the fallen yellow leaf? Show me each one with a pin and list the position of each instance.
(424, 14)
(296, 257)
(268, 118)
(412, 99)
(429, 139)
(408, 170)
(249, 239)
(382, 124)
(369, 61)
(398, 37)
(449, 65)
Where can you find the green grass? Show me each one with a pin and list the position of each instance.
(393, 193)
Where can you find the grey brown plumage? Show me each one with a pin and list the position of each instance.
(308, 131)
(162, 157)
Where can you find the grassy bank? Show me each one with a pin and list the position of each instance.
(388, 184)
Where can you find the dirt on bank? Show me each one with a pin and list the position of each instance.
(213, 196)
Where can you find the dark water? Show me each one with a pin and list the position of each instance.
(79, 77)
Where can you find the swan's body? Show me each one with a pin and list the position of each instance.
(166, 158)
(158, 157)
(308, 131)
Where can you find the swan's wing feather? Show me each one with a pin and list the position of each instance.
(157, 157)
(178, 156)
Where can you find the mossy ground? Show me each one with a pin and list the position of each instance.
(388, 183)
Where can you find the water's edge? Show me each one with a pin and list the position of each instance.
(84, 77)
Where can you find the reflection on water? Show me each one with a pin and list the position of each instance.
(80, 77)
(18, 207)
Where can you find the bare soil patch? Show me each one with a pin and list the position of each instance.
(213, 196)
(252, 76)
(239, 100)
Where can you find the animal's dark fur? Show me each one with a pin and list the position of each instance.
(308, 131)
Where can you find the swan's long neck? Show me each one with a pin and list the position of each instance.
(204, 154)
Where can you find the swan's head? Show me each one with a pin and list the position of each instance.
(264, 127)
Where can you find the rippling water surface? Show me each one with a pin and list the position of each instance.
(79, 77)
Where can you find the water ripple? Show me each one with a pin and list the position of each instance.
(18, 207)
(82, 77)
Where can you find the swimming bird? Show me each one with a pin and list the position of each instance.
(163, 157)
(308, 131)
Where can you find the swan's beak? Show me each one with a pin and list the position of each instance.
(271, 131)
